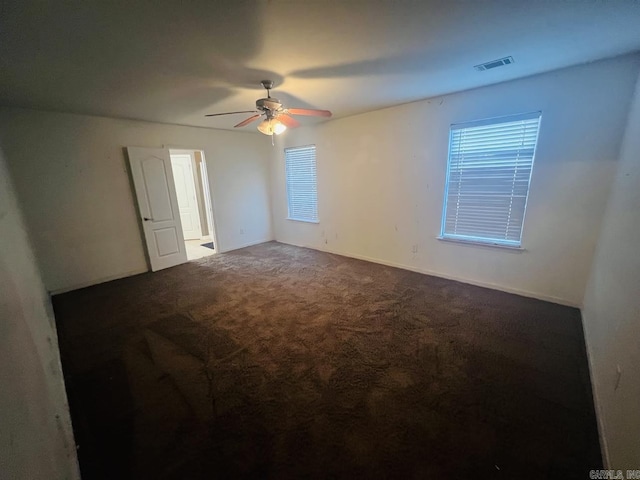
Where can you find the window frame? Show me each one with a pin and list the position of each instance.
(287, 187)
(484, 241)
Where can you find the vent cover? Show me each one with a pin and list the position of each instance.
(494, 64)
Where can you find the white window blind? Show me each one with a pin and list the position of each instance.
(488, 175)
(302, 188)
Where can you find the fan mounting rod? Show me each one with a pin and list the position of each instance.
(268, 85)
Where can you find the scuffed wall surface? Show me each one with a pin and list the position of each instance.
(611, 313)
(36, 440)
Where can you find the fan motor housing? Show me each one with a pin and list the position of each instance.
(268, 104)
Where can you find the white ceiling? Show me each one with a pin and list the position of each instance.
(174, 61)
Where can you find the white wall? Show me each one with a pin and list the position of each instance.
(611, 313)
(73, 185)
(36, 440)
(381, 181)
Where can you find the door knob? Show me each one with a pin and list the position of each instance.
(147, 219)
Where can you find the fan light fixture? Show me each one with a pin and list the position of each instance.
(271, 126)
(276, 118)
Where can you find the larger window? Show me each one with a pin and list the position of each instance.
(302, 188)
(488, 175)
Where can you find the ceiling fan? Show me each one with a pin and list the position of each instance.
(276, 117)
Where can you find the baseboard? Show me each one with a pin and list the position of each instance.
(604, 447)
(245, 245)
(493, 286)
(98, 281)
(137, 271)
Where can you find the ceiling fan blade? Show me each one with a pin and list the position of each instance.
(309, 112)
(229, 113)
(248, 120)
(288, 121)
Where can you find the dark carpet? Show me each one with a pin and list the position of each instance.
(281, 362)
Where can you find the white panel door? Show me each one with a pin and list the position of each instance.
(158, 205)
(182, 165)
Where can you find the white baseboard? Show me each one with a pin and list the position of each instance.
(517, 291)
(493, 286)
(130, 273)
(98, 281)
(244, 245)
(604, 447)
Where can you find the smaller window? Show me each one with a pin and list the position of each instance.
(302, 188)
(488, 175)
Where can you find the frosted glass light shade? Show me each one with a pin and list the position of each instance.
(278, 127)
(271, 126)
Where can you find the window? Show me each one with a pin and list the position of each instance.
(302, 189)
(488, 175)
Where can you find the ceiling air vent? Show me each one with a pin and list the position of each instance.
(494, 64)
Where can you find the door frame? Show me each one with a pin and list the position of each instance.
(212, 221)
(194, 185)
(208, 199)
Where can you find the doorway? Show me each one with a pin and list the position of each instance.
(194, 202)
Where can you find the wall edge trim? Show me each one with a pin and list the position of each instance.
(245, 245)
(604, 446)
(98, 281)
(493, 286)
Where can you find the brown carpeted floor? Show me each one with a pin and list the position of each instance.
(282, 362)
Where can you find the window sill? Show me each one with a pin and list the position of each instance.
(302, 220)
(482, 244)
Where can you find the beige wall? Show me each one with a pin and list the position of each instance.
(73, 185)
(611, 313)
(381, 181)
(36, 440)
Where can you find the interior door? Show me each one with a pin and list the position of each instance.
(158, 205)
(183, 175)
